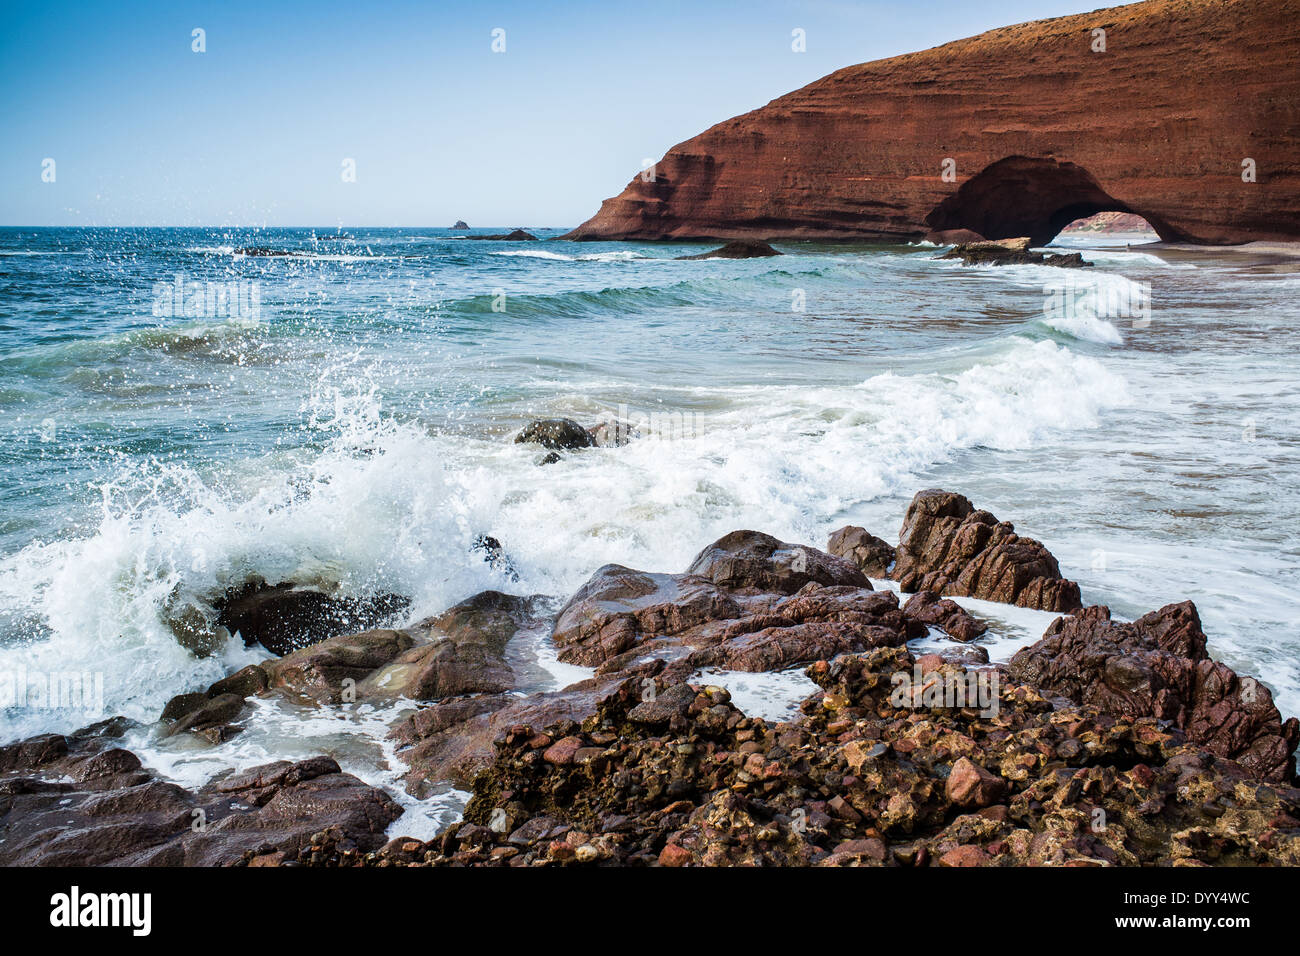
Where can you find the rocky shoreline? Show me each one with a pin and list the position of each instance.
(1104, 743)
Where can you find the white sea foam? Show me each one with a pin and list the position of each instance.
(356, 736)
(774, 696)
(225, 250)
(1086, 328)
(619, 255)
(533, 254)
(388, 506)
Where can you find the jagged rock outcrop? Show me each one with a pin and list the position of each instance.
(948, 547)
(747, 601)
(667, 773)
(1104, 743)
(1158, 666)
(874, 556)
(1036, 124)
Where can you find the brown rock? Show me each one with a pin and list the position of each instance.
(1011, 252)
(970, 785)
(948, 547)
(751, 559)
(563, 751)
(872, 555)
(965, 856)
(674, 855)
(213, 712)
(1159, 666)
(319, 671)
(926, 608)
(113, 812)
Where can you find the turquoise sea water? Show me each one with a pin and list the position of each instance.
(350, 424)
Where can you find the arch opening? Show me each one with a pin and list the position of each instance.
(1022, 196)
(1111, 223)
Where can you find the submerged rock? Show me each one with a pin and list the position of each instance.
(264, 251)
(948, 547)
(614, 433)
(738, 249)
(495, 555)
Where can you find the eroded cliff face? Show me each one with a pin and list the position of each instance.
(1040, 127)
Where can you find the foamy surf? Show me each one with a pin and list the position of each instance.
(391, 506)
(613, 256)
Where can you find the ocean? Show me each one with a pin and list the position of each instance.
(177, 417)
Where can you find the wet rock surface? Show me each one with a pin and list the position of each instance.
(284, 617)
(1105, 743)
(747, 601)
(672, 774)
(1159, 665)
(873, 556)
(948, 547)
(929, 610)
(80, 800)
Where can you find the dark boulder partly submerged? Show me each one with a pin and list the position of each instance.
(286, 616)
(738, 249)
(517, 235)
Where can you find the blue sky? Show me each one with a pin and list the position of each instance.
(254, 131)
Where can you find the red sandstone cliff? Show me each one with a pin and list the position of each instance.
(1043, 130)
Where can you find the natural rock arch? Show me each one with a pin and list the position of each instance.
(1190, 119)
(1027, 196)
